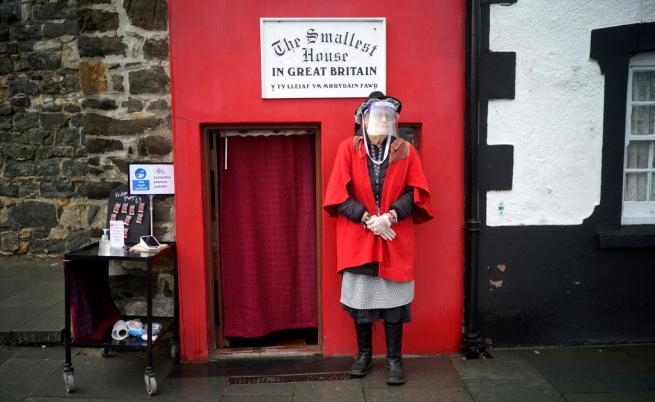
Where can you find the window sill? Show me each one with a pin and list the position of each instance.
(627, 237)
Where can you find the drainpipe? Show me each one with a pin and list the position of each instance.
(472, 347)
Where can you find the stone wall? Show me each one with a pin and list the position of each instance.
(84, 89)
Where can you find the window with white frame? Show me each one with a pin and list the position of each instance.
(639, 161)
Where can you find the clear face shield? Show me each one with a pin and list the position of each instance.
(380, 123)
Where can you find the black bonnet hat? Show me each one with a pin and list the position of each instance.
(374, 97)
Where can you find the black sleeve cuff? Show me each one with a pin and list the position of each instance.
(352, 209)
(404, 205)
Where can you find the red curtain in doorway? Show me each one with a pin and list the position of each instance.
(268, 235)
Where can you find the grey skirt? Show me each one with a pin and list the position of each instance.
(394, 315)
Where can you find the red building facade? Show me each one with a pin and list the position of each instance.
(215, 75)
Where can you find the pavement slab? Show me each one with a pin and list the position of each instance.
(512, 391)
(420, 372)
(409, 394)
(330, 391)
(592, 369)
(598, 397)
(118, 376)
(259, 389)
(505, 364)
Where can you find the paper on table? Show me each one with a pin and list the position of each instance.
(116, 234)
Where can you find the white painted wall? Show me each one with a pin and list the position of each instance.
(555, 123)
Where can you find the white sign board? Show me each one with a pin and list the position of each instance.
(151, 178)
(322, 57)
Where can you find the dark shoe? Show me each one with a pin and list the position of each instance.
(393, 334)
(364, 358)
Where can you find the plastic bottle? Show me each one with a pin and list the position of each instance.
(103, 247)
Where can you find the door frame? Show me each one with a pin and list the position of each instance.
(211, 135)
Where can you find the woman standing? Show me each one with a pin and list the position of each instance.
(377, 191)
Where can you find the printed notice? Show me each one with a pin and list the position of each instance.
(116, 234)
(151, 179)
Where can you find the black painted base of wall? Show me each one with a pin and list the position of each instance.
(560, 288)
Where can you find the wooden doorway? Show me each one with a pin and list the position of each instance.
(265, 295)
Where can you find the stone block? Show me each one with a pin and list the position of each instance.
(51, 107)
(34, 136)
(80, 152)
(28, 189)
(31, 168)
(151, 81)
(20, 100)
(44, 60)
(72, 108)
(8, 48)
(53, 11)
(133, 105)
(97, 190)
(24, 121)
(103, 104)
(52, 30)
(51, 84)
(161, 104)
(71, 80)
(6, 65)
(77, 239)
(54, 152)
(10, 12)
(9, 241)
(100, 47)
(95, 124)
(57, 189)
(72, 168)
(70, 56)
(18, 152)
(48, 246)
(154, 146)
(121, 164)
(22, 84)
(33, 214)
(24, 32)
(147, 14)
(68, 136)
(5, 124)
(25, 233)
(8, 189)
(92, 20)
(91, 2)
(53, 120)
(93, 77)
(5, 108)
(117, 83)
(156, 49)
(47, 45)
(101, 145)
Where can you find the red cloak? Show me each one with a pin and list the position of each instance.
(357, 245)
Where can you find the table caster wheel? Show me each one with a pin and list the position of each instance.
(69, 380)
(174, 351)
(104, 352)
(151, 384)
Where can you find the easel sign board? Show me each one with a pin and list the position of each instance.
(151, 179)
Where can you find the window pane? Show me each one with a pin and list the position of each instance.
(643, 119)
(409, 132)
(652, 187)
(638, 154)
(643, 86)
(636, 185)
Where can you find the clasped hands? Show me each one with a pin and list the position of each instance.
(381, 226)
